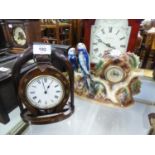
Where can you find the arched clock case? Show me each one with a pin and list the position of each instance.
(45, 94)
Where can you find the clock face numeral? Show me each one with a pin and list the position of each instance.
(110, 29)
(99, 40)
(39, 81)
(96, 50)
(123, 46)
(102, 30)
(45, 79)
(117, 32)
(56, 96)
(122, 38)
(52, 101)
(56, 85)
(94, 43)
(34, 97)
(47, 93)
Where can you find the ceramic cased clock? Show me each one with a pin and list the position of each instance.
(104, 37)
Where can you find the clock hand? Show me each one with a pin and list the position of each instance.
(111, 46)
(45, 91)
(100, 40)
(21, 36)
(49, 85)
(107, 44)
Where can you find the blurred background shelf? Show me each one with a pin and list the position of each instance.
(58, 33)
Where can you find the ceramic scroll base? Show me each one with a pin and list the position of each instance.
(103, 92)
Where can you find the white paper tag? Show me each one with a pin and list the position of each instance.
(42, 48)
(3, 69)
(10, 25)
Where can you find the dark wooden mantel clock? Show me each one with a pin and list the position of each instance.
(45, 94)
(21, 33)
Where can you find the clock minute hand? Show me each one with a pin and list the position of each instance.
(107, 44)
(110, 46)
(45, 91)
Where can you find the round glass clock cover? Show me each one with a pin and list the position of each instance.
(44, 92)
(114, 74)
(19, 36)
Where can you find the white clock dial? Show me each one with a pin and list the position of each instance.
(19, 36)
(112, 22)
(45, 92)
(108, 38)
(114, 74)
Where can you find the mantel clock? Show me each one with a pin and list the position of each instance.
(45, 93)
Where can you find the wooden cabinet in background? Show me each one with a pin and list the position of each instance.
(59, 33)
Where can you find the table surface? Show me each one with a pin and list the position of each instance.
(91, 118)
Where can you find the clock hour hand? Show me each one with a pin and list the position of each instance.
(21, 36)
(112, 47)
(49, 85)
(107, 44)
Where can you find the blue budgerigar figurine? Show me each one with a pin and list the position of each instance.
(73, 58)
(83, 58)
(84, 64)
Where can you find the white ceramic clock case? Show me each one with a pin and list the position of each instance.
(45, 92)
(105, 38)
(19, 36)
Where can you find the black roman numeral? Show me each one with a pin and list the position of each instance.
(34, 86)
(110, 29)
(58, 91)
(45, 79)
(102, 30)
(32, 92)
(122, 38)
(96, 49)
(123, 46)
(56, 85)
(117, 32)
(34, 97)
(99, 40)
(94, 43)
(39, 81)
(56, 96)
(39, 101)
